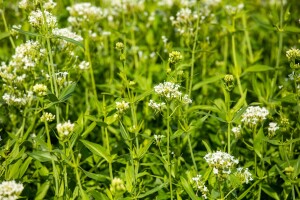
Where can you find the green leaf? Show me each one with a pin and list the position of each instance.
(208, 81)
(52, 97)
(152, 190)
(111, 119)
(98, 150)
(248, 190)
(142, 151)
(97, 177)
(89, 129)
(67, 92)
(27, 32)
(13, 170)
(177, 134)
(258, 68)
(142, 96)
(269, 191)
(292, 29)
(69, 40)
(24, 167)
(187, 187)
(42, 156)
(42, 191)
(257, 143)
(124, 133)
(4, 35)
(207, 146)
(240, 103)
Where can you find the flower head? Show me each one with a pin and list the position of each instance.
(65, 129)
(47, 117)
(244, 175)
(10, 190)
(175, 57)
(122, 106)
(293, 54)
(254, 115)
(40, 89)
(221, 162)
(273, 127)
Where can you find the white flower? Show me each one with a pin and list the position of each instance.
(122, 106)
(273, 127)
(40, 89)
(157, 106)
(66, 32)
(84, 65)
(244, 175)
(37, 20)
(64, 130)
(168, 90)
(221, 162)
(10, 190)
(49, 117)
(254, 115)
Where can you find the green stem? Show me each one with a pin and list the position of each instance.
(6, 27)
(237, 69)
(247, 38)
(91, 70)
(192, 154)
(168, 150)
(255, 156)
(48, 136)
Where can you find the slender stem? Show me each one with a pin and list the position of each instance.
(48, 136)
(168, 149)
(91, 70)
(192, 154)
(255, 156)
(237, 69)
(6, 28)
(247, 38)
(193, 58)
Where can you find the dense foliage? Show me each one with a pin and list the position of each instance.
(150, 99)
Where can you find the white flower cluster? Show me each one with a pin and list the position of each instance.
(81, 14)
(254, 115)
(158, 138)
(10, 190)
(66, 32)
(200, 185)
(40, 89)
(243, 175)
(117, 185)
(233, 10)
(293, 54)
(236, 131)
(38, 20)
(17, 98)
(62, 79)
(47, 117)
(221, 162)
(64, 130)
(84, 65)
(27, 55)
(273, 127)
(184, 20)
(122, 106)
(29, 4)
(171, 91)
(157, 106)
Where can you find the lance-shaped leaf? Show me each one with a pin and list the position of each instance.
(98, 150)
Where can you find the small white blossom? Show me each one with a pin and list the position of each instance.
(10, 190)
(168, 90)
(254, 115)
(273, 127)
(37, 20)
(244, 175)
(49, 117)
(221, 162)
(40, 89)
(64, 130)
(122, 106)
(200, 185)
(157, 106)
